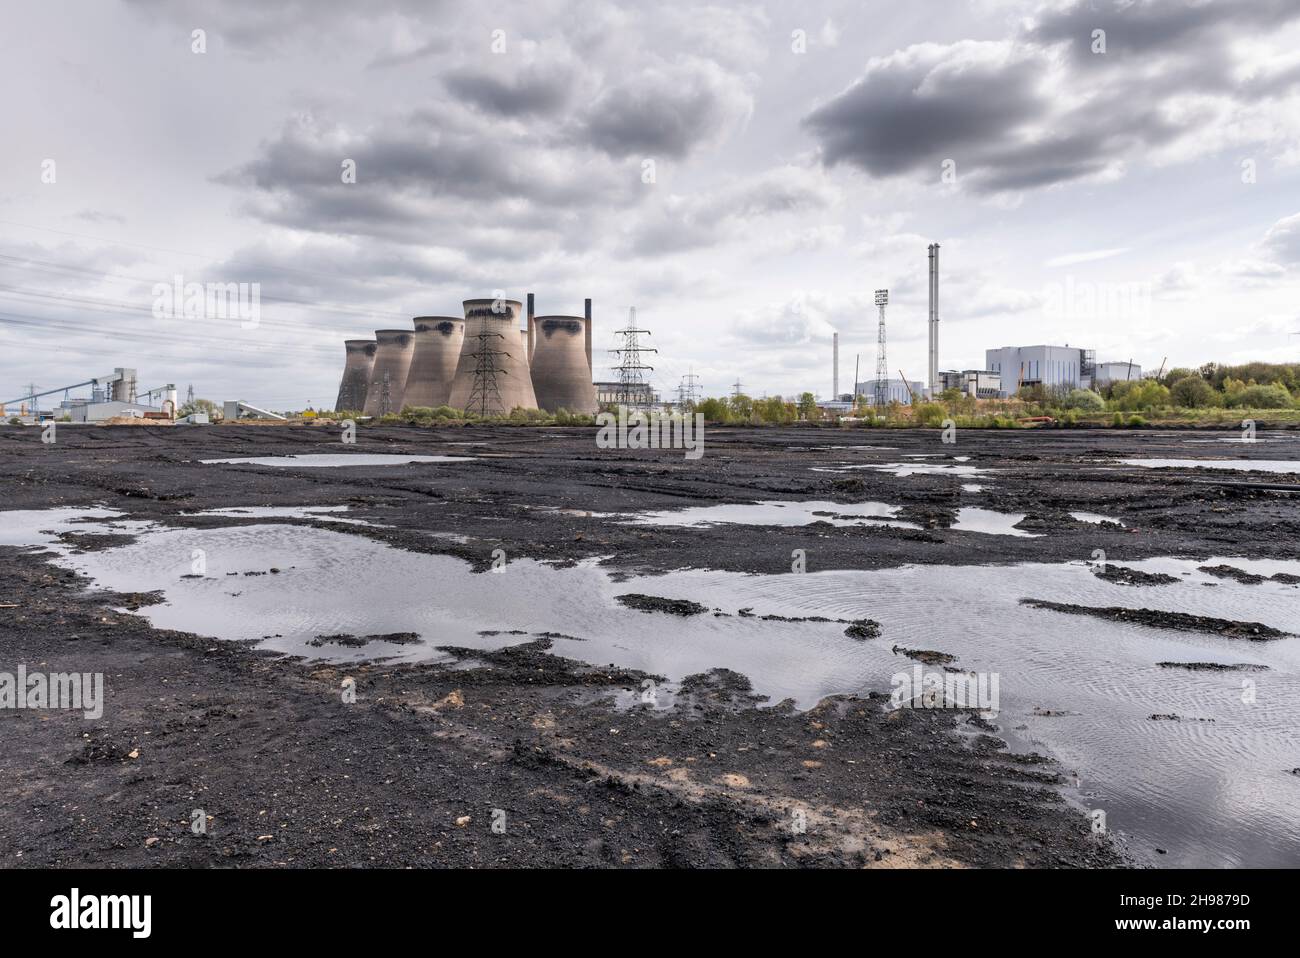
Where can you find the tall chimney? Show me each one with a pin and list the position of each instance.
(835, 366)
(934, 319)
(586, 308)
(532, 330)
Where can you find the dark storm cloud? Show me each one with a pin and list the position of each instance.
(1153, 26)
(537, 90)
(430, 170)
(929, 103)
(1001, 109)
(667, 111)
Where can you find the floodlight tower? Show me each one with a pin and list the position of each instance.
(882, 367)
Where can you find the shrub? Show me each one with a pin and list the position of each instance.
(1129, 395)
(1193, 392)
(1084, 399)
(930, 414)
(1135, 421)
(1274, 396)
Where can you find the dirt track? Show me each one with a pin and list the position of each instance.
(290, 775)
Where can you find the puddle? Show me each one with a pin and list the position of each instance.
(1094, 518)
(971, 519)
(1214, 793)
(1241, 465)
(904, 469)
(971, 487)
(277, 512)
(311, 460)
(778, 513)
(40, 527)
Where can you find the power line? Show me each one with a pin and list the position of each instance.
(631, 371)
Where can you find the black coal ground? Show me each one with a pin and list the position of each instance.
(418, 768)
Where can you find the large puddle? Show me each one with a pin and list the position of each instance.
(777, 513)
(913, 468)
(1213, 787)
(335, 460)
(1241, 465)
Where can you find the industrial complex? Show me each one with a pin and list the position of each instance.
(499, 355)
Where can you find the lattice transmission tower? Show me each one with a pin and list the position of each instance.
(632, 385)
(689, 389)
(882, 367)
(485, 390)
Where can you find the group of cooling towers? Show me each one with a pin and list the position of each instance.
(483, 362)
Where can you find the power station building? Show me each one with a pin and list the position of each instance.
(438, 342)
(975, 383)
(896, 390)
(482, 362)
(1048, 366)
(388, 374)
(1054, 367)
(357, 365)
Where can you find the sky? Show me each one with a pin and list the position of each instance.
(1122, 175)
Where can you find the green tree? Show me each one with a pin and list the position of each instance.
(714, 410)
(1193, 392)
(742, 407)
(807, 406)
(199, 405)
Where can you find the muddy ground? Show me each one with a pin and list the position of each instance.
(412, 773)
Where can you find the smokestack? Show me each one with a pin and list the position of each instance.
(586, 306)
(934, 319)
(532, 334)
(835, 366)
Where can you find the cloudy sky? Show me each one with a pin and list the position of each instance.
(745, 175)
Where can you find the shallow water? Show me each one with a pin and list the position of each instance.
(913, 468)
(313, 460)
(778, 513)
(1093, 518)
(1212, 793)
(990, 522)
(1247, 465)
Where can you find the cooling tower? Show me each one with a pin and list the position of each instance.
(356, 374)
(433, 360)
(388, 376)
(561, 372)
(500, 381)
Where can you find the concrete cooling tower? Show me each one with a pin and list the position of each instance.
(392, 362)
(501, 381)
(561, 367)
(356, 374)
(438, 342)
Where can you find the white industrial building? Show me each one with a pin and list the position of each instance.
(109, 409)
(1047, 366)
(1115, 372)
(895, 389)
